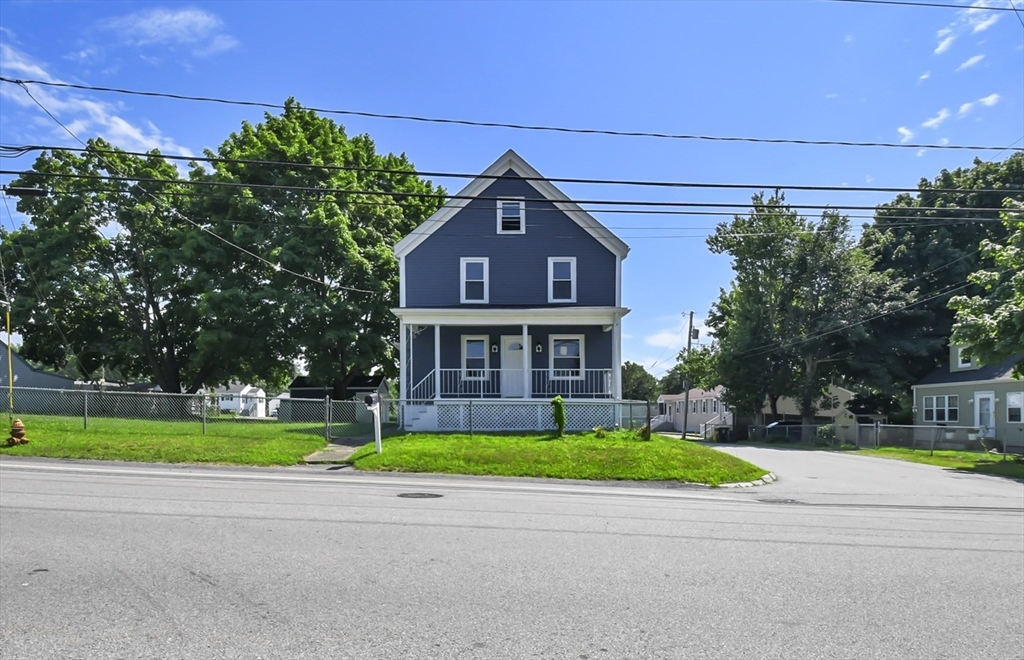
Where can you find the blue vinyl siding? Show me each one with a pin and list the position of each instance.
(518, 263)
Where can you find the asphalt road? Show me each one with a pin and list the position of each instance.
(120, 561)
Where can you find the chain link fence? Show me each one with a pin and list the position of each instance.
(156, 413)
(514, 416)
(874, 436)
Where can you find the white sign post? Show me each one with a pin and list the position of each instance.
(373, 405)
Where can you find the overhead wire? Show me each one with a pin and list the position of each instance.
(9, 151)
(492, 124)
(908, 3)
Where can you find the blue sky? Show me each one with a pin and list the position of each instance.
(791, 69)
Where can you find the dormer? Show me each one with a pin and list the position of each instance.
(959, 361)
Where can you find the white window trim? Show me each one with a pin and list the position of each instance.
(551, 356)
(946, 408)
(1008, 395)
(551, 279)
(487, 356)
(462, 280)
(703, 406)
(522, 214)
(714, 406)
(960, 360)
(693, 407)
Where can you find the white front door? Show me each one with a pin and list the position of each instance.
(512, 382)
(984, 413)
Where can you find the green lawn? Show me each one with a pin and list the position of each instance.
(234, 442)
(971, 461)
(618, 456)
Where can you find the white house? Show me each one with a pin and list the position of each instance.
(243, 400)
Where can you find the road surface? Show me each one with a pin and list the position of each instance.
(123, 561)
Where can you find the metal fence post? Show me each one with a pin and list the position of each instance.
(204, 413)
(878, 433)
(85, 409)
(327, 418)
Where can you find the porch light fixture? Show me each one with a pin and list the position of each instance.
(494, 348)
(539, 348)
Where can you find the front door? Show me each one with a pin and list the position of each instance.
(984, 413)
(512, 382)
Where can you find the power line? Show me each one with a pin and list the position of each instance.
(437, 196)
(907, 3)
(275, 266)
(490, 124)
(18, 151)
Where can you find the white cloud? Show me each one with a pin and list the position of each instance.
(200, 30)
(905, 134)
(84, 116)
(989, 100)
(832, 96)
(869, 178)
(944, 141)
(965, 108)
(944, 45)
(920, 152)
(978, 17)
(675, 338)
(848, 38)
(925, 76)
(937, 120)
(969, 62)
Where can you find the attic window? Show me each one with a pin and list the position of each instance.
(962, 360)
(511, 216)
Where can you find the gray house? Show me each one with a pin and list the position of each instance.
(25, 375)
(985, 398)
(510, 292)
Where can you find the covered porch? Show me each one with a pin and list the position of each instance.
(515, 354)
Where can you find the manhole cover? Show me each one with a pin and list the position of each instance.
(419, 496)
(769, 500)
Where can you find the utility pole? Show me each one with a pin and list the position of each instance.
(686, 378)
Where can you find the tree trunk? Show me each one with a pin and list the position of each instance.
(773, 401)
(340, 385)
(807, 400)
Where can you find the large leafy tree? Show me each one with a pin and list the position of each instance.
(798, 315)
(637, 383)
(326, 214)
(749, 318)
(992, 324)
(934, 252)
(99, 275)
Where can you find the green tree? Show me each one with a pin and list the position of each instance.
(699, 366)
(673, 381)
(934, 252)
(797, 315)
(992, 324)
(637, 383)
(99, 276)
(336, 314)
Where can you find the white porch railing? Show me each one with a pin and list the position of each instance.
(423, 389)
(509, 383)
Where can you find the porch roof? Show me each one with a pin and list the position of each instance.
(510, 316)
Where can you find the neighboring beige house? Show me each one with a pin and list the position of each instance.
(985, 398)
(707, 410)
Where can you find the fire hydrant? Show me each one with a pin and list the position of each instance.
(17, 433)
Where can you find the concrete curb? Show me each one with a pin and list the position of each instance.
(763, 481)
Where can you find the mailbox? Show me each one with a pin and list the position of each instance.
(371, 399)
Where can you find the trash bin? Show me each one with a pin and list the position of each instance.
(722, 434)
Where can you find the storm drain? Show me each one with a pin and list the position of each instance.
(420, 496)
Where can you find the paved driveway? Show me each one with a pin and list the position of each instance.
(823, 477)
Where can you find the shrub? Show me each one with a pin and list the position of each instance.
(599, 432)
(777, 437)
(644, 432)
(558, 410)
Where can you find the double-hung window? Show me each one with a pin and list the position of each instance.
(714, 406)
(962, 360)
(1015, 407)
(473, 276)
(567, 357)
(474, 358)
(693, 406)
(511, 216)
(704, 406)
(942, 408)
(561, 279)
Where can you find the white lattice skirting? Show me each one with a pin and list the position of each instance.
(519, 416)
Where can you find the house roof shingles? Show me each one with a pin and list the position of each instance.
(996, 371)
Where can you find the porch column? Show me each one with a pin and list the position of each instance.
(437, 361)
(526, 362)
(402, 371)
(617, 359)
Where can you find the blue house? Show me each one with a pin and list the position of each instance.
(510, 293)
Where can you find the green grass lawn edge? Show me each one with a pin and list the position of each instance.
(619, 456)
